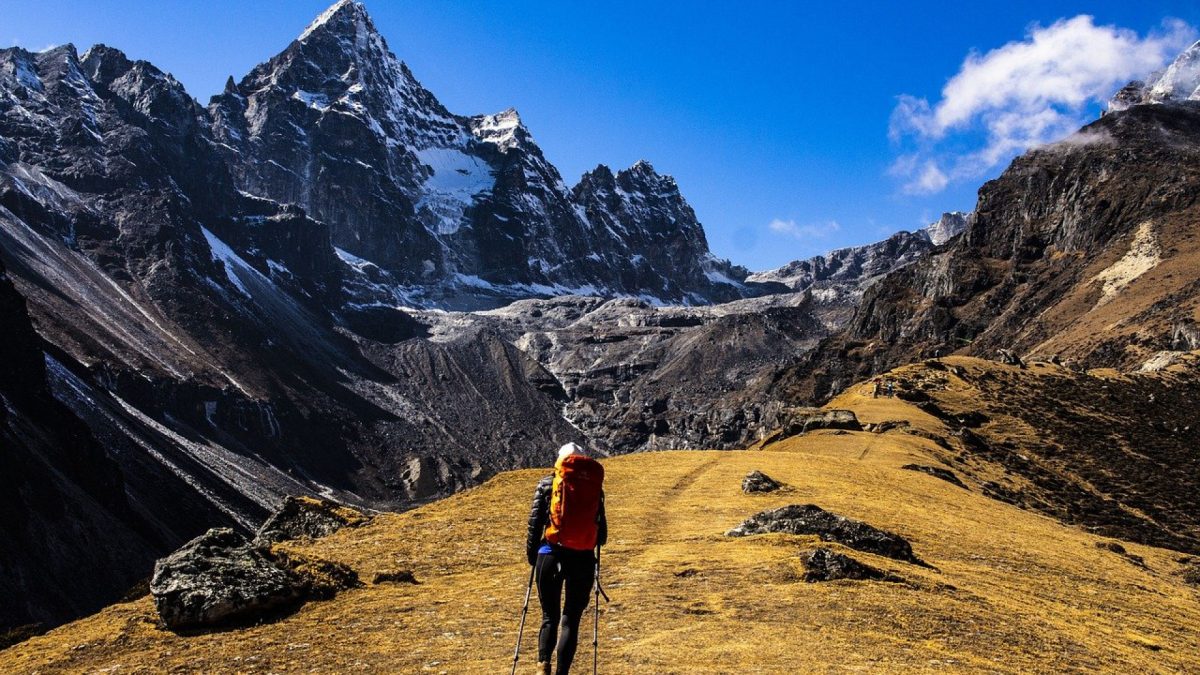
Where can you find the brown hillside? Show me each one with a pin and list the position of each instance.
(1116, 453)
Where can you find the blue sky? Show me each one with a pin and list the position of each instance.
(791, 127)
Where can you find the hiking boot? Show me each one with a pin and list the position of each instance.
(543, 668)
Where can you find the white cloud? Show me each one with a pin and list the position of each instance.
(1021, 95)
(921, 176)
(817, 231)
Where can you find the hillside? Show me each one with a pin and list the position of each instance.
(1006, 590)
(1083, 249)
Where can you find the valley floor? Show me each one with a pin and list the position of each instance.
(1008, 591)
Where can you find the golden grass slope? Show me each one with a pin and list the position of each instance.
(1013, 591)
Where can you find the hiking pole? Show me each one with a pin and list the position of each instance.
(596, 616)
(524, 611)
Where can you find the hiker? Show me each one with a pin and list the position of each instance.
(566, 525)
(891, 389)
(875, 388)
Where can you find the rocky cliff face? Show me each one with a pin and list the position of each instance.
(71, 541)
(457, 211)
(1084, 250)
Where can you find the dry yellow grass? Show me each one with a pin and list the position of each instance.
(1013, 591)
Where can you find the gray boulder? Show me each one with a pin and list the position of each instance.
(221, 578)
(757, 481)
(813, 520)
(822, 564)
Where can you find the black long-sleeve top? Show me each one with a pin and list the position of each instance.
(539, 517)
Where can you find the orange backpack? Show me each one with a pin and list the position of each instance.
(575, 503)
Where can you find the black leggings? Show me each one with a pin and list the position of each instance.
(576, 570)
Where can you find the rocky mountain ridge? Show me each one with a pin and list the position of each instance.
(851, 269)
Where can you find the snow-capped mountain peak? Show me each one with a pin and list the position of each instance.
(501, 129)
(1179, 81)
(343, 16)
(337, 124)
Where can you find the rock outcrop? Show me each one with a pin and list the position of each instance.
(937, 472)
(802, 420)
(222, 579)
(308, 517)
(813, 520)
(822, 564)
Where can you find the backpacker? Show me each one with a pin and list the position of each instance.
(575, 502)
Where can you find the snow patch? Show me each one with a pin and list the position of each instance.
(360, 264)
(720, 278)
(454, 183)
(315, 101)
(230, 259)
